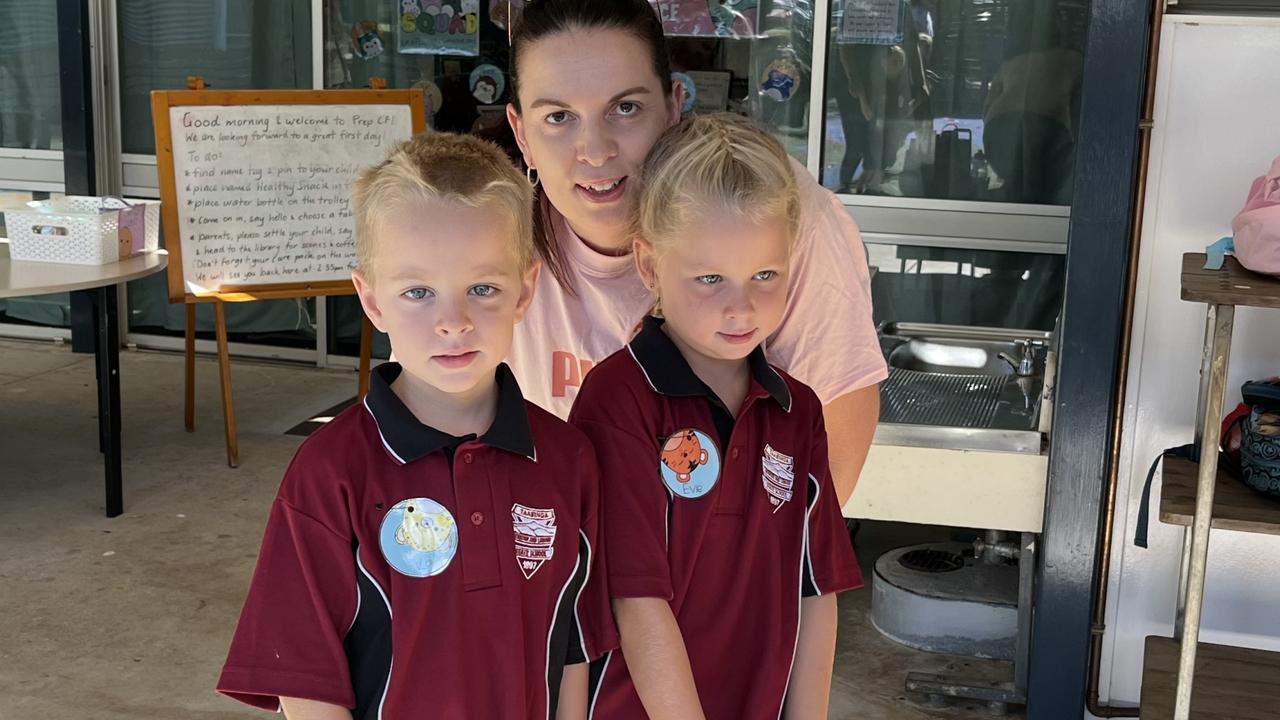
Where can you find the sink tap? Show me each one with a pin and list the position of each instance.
(1025, 363)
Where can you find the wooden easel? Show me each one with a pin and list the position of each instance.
(224, 365)
(198, 95)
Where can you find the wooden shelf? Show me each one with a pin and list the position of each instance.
(1231, 683)
(1235, 505)
(1232, 285)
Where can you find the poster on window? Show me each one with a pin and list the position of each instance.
(439, 27)
(872, 22)
(708, 18)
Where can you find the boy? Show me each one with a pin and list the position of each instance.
(432, 551)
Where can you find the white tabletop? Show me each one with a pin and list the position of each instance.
(19, 277)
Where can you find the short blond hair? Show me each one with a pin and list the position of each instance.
(713, 162)
(442, 166)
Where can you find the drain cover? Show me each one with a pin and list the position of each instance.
(929, 560)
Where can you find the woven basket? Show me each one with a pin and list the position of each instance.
(82, 230)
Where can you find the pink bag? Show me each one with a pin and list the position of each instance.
(1257, 227)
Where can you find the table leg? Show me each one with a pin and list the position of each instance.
(107, 356)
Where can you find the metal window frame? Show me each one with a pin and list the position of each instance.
(1233, 7)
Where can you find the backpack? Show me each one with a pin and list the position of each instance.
(1249, 444)
(1255, 230)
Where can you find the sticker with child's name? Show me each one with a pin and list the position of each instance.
(690, 463)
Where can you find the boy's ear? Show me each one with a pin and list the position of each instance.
(528, 284)
(645, 261)
(364, 291)
(517, 129)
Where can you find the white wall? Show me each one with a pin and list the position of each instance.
(1217, 126)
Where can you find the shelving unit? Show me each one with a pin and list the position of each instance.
(1180, 679)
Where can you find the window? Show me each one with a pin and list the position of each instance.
(31, 115)
(232, 44)
(954, 99)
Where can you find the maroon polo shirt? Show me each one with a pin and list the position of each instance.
(733, 520)
(408, 573)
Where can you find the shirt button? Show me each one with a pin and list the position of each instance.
(477, 519)
(734, 453)
(466, 458)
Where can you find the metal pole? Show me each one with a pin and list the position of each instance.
(1223, 317)
(1026, 577)
(818, 86)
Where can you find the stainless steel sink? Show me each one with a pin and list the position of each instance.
(954, 356)
(963, 387)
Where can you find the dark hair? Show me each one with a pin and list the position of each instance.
(543, 18)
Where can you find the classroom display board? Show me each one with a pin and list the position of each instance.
(256, 185)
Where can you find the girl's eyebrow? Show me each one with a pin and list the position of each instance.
(637, 90)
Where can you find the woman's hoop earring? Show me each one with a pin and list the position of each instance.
(531, 174)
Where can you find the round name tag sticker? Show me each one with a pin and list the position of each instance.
(418, 537)
(689, 463)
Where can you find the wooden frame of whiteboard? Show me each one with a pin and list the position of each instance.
(161, 102)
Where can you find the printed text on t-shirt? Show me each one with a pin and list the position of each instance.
(567, 371)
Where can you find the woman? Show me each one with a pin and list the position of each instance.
(592, 92)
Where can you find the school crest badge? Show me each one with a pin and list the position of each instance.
(779, 476)
(535, 531)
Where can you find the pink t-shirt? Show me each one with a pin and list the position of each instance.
(826, 340)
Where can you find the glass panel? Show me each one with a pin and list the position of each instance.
(751, 58)
(467, 42)
(232, 44)
(48, 310)
(31, 113)
(965, 287)
(398, 42)
(747, 57)
(955, 99)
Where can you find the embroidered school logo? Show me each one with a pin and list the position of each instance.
(689, 463)
(418, 537)
(535, 531)
(779, 476)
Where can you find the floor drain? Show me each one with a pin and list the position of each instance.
(929, 560)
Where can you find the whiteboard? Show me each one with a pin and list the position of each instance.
(263, 191)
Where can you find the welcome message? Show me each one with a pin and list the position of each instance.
(264, 192)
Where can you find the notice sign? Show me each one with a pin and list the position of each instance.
(263, 192)
(872, 22)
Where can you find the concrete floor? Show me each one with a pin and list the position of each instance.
(129, 618)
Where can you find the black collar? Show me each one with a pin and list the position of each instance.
(669, 373)
(408, 439)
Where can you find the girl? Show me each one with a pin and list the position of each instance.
(592, 92)
(722, 563)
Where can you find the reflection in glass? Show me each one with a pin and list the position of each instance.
(748, 58)
(954, 99)
(30, 114)
(965, 287)
(232, 44)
